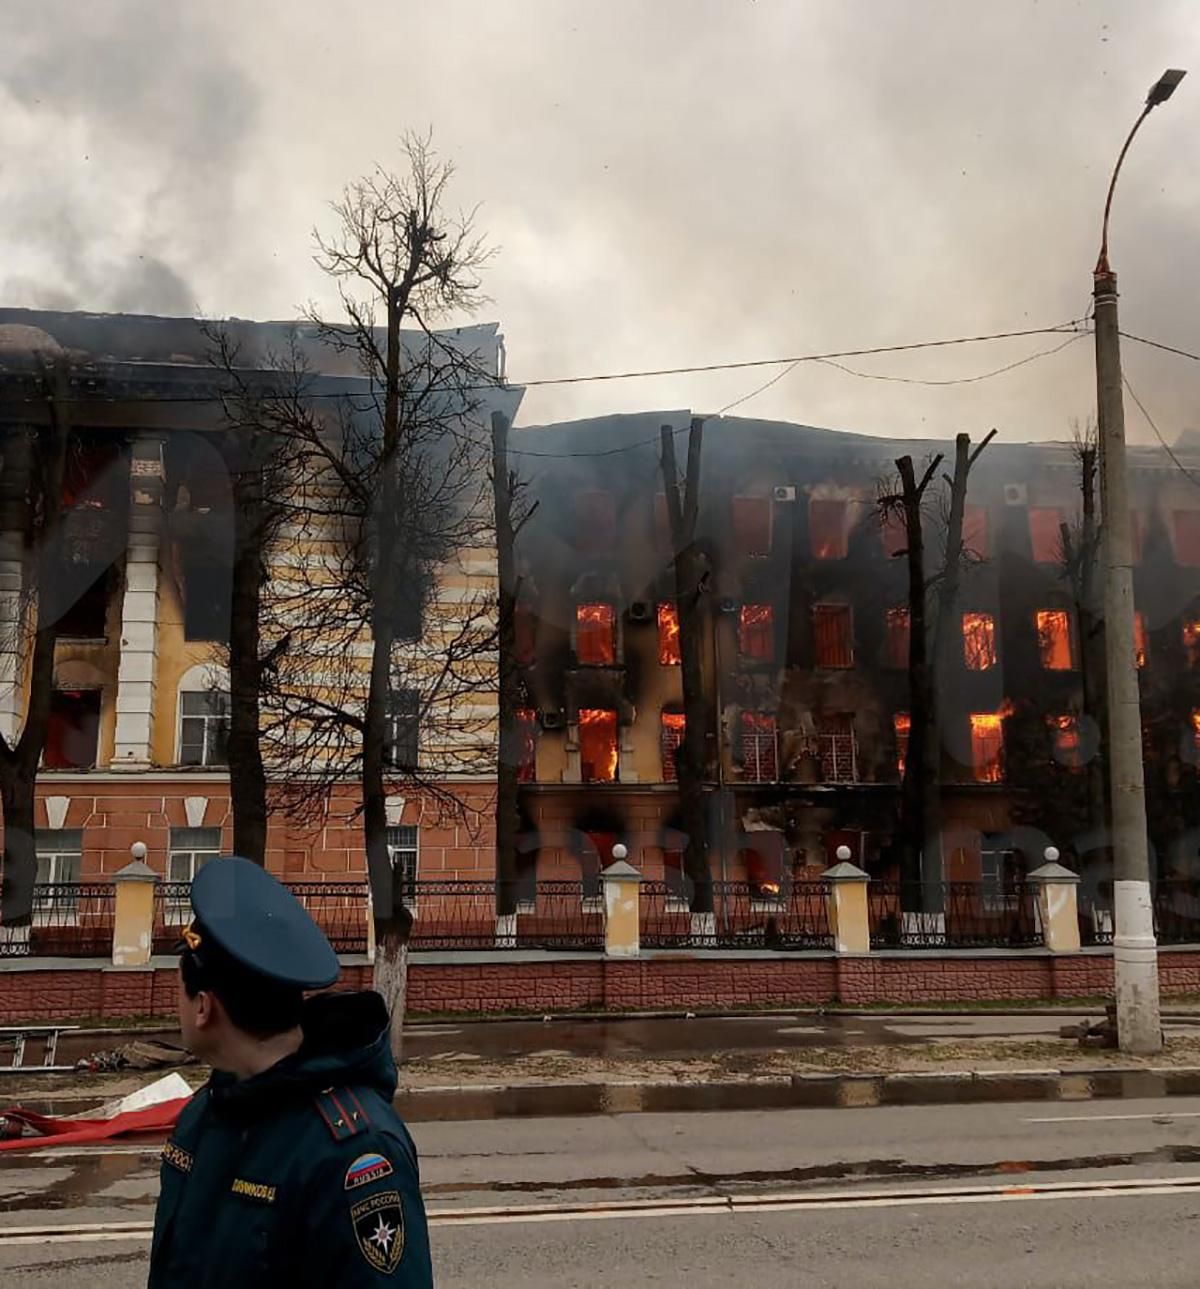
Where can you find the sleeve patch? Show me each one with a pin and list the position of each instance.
(379, 1230)
(367, 1169)
(177, 1157)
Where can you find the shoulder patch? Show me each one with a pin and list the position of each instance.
(366, 1169)
(177, 1157)
(342, 1113)
(379, 1230)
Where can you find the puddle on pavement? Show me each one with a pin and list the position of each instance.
(88, 1180)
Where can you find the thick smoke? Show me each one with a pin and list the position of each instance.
(124, 124)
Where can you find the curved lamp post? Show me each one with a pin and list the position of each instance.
(1135, 952)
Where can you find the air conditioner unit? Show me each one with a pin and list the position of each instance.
(641, 611)
(1016, 494)
(729, 606)
(784, 492)
(552, 720)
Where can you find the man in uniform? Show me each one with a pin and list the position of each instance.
(289, 1167)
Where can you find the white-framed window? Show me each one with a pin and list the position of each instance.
(190, 850)
(59, 864)
(403, 738)
(203, 727)
(404, 847)
(999, 866)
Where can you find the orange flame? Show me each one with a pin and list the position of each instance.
(902, 724)
(987, 745)
(1054, 639)
(598, 744)
(769, 888)
(595, 637)
(1140, 643)
(979, 641)
(668, 635)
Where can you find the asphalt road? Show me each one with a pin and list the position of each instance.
(1037, 1194)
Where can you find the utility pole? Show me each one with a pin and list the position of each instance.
(1135, 951)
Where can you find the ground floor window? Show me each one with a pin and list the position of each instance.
(59, 864)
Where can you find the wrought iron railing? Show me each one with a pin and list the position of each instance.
(1177, 911)
(70, 920)
(462, 915)
(743, 917)
(954, 915)
(339, 909)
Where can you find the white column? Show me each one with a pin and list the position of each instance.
(139, 609)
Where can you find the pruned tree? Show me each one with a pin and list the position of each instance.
(690, 575)
(31, 491)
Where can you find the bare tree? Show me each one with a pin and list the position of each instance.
(690, 567)
(31, 491)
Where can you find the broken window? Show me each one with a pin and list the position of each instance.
(673, 727)
(1054, 639)
(203, 727)
(527, 732)
(975, 531)
(987, 747)
(1141, 642)
(595, 521)
(901, 727)
(73, 730)
(597, 745)
(596, 635)
(1187, 538)
(897, 627)
(402, 746)
(979, 641)
(758, 748)
(1066, 745)
(668, 634)
(828, 529)
(836, 745)
(752, 525)
(894, 533)
(92, 477)
(207, 597)
(86, 617)
(756, 632)
(1191, 641)
(761, 859)
(833, 638)
(1045, 533)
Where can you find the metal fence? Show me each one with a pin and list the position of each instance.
(956, 915)
(70, 920)
(1177, 911)
(797, 917)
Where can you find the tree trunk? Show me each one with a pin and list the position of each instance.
(20, 849)
(692, 761)
(508, 676)
(391, 981)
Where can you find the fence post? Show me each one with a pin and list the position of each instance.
(848, 917)
(622, 907)
(133, 917)
(1057, 904)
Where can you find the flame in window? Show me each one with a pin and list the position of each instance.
(979, 641)
(1191, 641)
(674, 725)
(1054, 639)
(598, 745)
(828, 529)
(1196, 728)
(987, 746)
(1067, 744)
(595, 634)
(1141, 644)
(756, 631)
(902, 724)
(668, 635)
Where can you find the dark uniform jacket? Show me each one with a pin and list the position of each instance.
(303, 1175)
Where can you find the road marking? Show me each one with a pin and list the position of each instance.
(691, 1206)
(1116, 1118)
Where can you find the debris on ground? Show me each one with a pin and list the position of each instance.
(142, 1054)
(1102, 1034)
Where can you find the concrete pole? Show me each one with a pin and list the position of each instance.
(1135, 952)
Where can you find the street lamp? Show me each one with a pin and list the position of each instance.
(1135, 953)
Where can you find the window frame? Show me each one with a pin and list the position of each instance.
(831, 609)
(177, 911)
(58, 912)
(401, 846)
(209, 720)
(403, 722)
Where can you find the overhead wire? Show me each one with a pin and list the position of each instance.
(1166, 447)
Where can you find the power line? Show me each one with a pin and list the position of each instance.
(1157, 344)
(1158, 433)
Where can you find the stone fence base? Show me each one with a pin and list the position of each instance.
(545, 983)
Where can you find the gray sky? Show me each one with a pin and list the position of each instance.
(669, 182)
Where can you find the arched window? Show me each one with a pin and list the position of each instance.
(204, 716)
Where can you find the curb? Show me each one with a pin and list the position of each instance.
(814, 1091)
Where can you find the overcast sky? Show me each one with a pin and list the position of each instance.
(669, 182)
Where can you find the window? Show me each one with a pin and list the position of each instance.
(207, 597)
(761, 859)
(1195, 727)
(756, 632)
(987, 747)
(998, 869)
(832, 635)
(828, 529)
(403, 843)
(979, 641)
(1054, 639)
(896, 638)
(524, 634)
(668, 635)
(1065, 744)
(408, 606)
(595, 522)
(59, 864)
(1141, 642)
(835, 742)
(86, 617)
(758, 748)
(92, 477)
(527, 732)
(902, 727)
(894, 533)
(73, 731)
(191, 849)
(403, 739)
(1187, 538)
(673, 726)
(203, 728)
(1191, 640)
(1045, 533)
(597, 745)
(975, 531)
(752, 525)
(596, 635)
